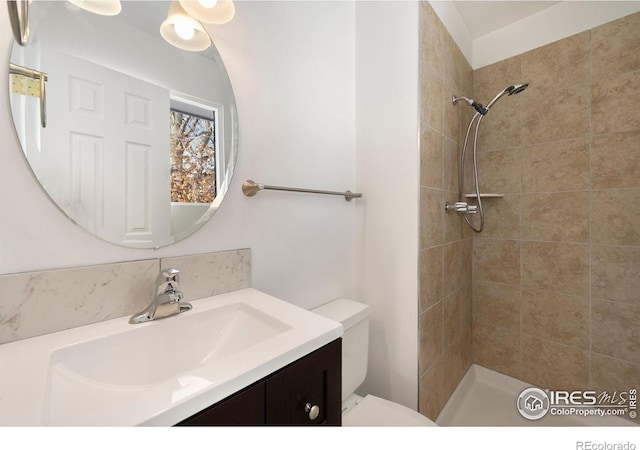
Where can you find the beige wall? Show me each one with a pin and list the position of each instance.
(445, 245)
(557, 269)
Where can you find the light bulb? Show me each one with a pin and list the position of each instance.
(184, 29)
(215, 12)
(208, 3)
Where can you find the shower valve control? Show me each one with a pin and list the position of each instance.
(461, 207)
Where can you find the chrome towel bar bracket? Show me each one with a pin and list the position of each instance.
(251, 188)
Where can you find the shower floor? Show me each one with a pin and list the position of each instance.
(488, 398)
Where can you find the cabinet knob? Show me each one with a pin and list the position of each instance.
(313, 410)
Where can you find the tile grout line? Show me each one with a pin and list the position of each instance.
(521, 245)
(590, 314)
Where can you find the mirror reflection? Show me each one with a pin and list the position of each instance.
(140, 137)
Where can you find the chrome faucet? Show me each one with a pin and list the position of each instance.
(166, 301)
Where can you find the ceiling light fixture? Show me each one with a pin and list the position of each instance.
(183, 31)
(216, 12)
(102, 7)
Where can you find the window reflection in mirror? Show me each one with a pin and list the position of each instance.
(195, 157)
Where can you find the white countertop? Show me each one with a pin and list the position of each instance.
(36, 389)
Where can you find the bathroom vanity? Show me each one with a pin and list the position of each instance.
(306, 392)
(255, 358)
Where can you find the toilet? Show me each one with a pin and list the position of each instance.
(368, 411)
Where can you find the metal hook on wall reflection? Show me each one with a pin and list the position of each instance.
(41, 79)
(19, 18)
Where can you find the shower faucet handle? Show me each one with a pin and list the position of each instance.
(461, 207)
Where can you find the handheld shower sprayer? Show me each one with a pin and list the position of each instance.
(517, 88)
(461, 206)
(510, 90)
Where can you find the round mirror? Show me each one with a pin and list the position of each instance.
(132, 137)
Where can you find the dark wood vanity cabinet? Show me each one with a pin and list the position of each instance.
(246, 407)
(306, 392)
(309, 386)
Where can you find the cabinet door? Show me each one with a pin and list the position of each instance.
(314, 380)
(243, 408)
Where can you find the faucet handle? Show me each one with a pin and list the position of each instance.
(168, 279)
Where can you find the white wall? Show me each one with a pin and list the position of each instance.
(557, 22)
(292, 68)
(387, 171)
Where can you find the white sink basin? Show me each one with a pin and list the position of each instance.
(145, 355)
(158, 373)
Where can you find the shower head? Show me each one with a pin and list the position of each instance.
(517, 88)
(510, 90)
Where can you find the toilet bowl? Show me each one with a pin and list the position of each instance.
(372, 411)
(367, 411)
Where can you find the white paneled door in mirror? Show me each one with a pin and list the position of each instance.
(110, 133)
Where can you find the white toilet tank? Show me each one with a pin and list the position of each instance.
(354, 317)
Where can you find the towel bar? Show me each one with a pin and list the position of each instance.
(251, 188)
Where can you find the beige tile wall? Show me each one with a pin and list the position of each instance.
(557, 271)
(445, 246)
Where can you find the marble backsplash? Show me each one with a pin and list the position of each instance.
(36, 303)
